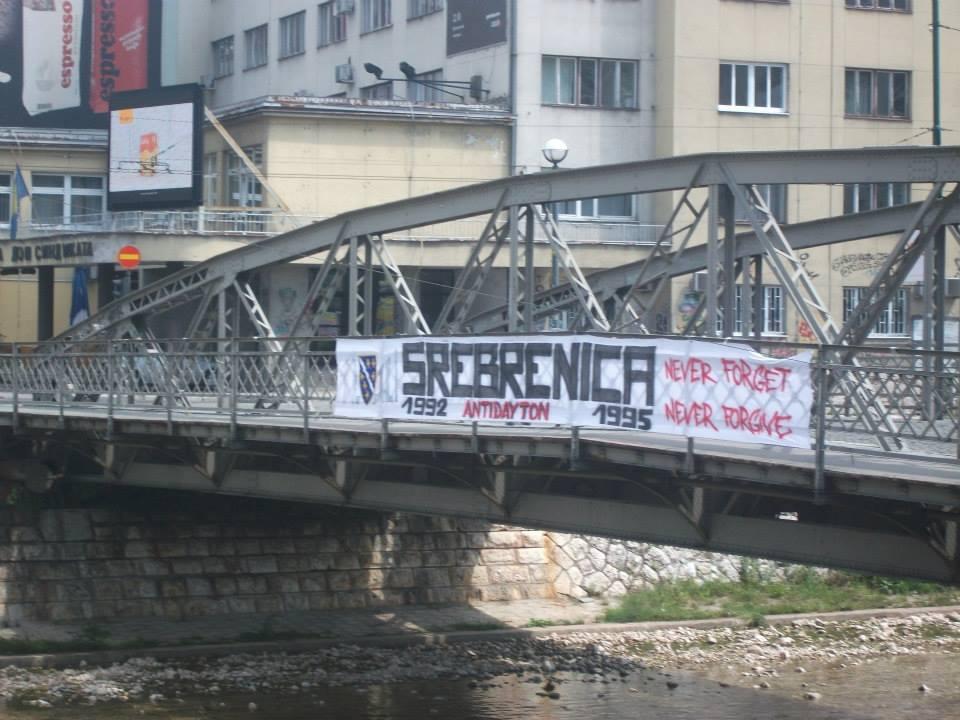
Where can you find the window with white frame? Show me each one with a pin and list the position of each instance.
(244, 188)
(211, 179)
(861, 197)
(292, 33)
(613, 207)
(375, 14)
(421, 89)
(331, 27)
(589, 82)
(772, 318)
(893, 319)
(67, 199)
(775, 196)
(380, 91)
(5, 179)
(255, 47)
(891, 5)
(419, 8)
(877, 93)
(753, 87)
(223, 57)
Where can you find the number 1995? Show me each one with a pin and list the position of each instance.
(623, 416)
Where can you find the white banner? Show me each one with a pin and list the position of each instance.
(679, 387)
(52, 39)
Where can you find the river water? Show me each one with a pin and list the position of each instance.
(884, 688)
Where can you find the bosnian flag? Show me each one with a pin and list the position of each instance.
(79, 302)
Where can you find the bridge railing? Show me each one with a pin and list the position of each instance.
(909, 400)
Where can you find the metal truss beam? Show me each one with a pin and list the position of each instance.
(474, 274)
(634, 309)
(815, 233)
(590, 308)
(401, 290)
(916, 165)
(914, 240)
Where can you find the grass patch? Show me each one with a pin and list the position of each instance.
(544, 622)
(806, 592)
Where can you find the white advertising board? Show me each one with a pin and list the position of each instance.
(151, 148)
(679, 387)
(52, 41)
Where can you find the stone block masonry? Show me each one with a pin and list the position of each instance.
(241, 557)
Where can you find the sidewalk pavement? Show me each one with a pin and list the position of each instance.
(343, 625)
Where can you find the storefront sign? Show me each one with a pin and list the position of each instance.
(57, 253)
(678, 387)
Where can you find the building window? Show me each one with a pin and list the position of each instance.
(614, 207)
(332, 27)
(892, 320)
(419, 8)
(255, 47)
(5, 179)
(861, 197)
(211, 180)
(418, 91)
(223, 57)
(292, 28)
(753, 87)
(589, 82)
(772, 321)
(775, 196)
(380, 91)
(877, 93)
(375, 15)
(67, 199)
(892, 5)
(244, 188)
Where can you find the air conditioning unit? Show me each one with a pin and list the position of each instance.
(343, 7)
(952, 287)
(699, 283)
(344, 73)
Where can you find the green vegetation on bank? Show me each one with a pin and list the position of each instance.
(804, 592)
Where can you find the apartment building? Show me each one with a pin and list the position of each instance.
(347, 103)
(802, 75)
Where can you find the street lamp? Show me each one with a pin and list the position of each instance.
(555, 151)
(474, 85)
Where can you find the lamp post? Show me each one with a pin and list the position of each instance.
(555, 152)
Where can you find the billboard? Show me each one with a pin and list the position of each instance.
(475, 24)
(155, 148)
(674, 387)
(60, 60)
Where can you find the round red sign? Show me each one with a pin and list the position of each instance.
(128, 257)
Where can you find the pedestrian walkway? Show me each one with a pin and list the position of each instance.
(342, 625)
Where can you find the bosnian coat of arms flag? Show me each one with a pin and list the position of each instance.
(368, 376)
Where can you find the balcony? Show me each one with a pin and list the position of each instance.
(259, 223)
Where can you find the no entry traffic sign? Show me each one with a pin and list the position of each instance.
(128, 257)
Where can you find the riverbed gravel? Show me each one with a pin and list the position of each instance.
(583, 657)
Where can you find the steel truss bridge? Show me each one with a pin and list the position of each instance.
(216, 410)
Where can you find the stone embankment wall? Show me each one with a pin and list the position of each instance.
(582, 566)
(69, 565)
(245, 557)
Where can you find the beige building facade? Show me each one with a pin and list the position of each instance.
(740, 75)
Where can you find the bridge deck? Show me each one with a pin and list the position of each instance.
(852, 470)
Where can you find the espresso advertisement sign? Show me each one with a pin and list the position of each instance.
(61, 60)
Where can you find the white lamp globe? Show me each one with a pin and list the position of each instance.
(555, 151)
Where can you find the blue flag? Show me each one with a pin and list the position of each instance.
(79, 301)
(18, 191)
